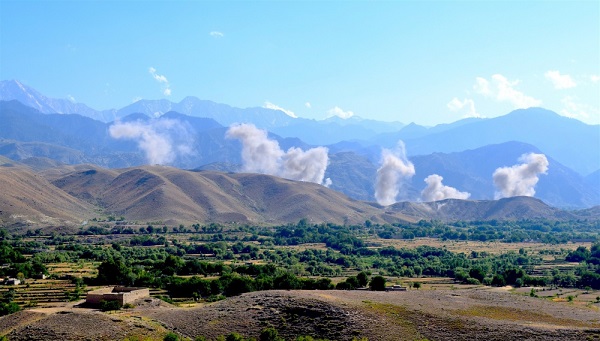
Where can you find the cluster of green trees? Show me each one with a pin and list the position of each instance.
(7, 305)
(16, 265)
(539, 230)
(589, 268)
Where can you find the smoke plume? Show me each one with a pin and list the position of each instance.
(520, 180)
(395, 169)
(162, 140)
(435, 190)
(262, 155)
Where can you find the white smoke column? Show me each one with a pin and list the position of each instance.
(395, 169)
(162, 140)
(520, 180)
(262, 155)
(307, 165)
(435, 190)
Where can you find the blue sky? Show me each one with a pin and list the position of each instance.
(426, 62)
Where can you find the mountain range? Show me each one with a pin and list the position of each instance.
(37, 130)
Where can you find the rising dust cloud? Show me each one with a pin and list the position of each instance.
(435, 190)
(161, 140)
(520, 180)
(395, 169)
(262, 155)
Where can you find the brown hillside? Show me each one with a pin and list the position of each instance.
(514, 208)
(29, 198)
(153, 193)
(70, 194)
(83, 186)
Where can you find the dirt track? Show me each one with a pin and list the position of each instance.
(337, 315)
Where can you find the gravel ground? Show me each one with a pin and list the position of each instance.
(342, 315)
(463, 314)
(80, 324)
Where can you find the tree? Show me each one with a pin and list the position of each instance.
(269, 334)
(363, 278)
(377, 283)
(114, 271)
(417, 285)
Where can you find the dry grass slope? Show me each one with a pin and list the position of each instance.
(28, 197)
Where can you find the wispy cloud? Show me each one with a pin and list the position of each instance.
(272, 106)
(308, 105)
(467, 106)
(217, 34)
(560, 81)
(574, 109)
(595, 78)
(161, 79)
(503, 90)
(71, 98)
(339, 112)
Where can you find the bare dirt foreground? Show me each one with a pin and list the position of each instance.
(468, 314)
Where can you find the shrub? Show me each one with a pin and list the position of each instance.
(171, 337)
(109, 305)
(473, 281)
(269, 334)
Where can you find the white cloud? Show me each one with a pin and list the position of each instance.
(560, 81)
(339, 112)
(467, 106)
(308, 105)
(162, 80)
(216, 34)
(594, 78)
(503, 90)
(272, 106)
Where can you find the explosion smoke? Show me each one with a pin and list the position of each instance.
(520, 180)
(395, 169)
(435, 190)
(262, 155)
(162, 140)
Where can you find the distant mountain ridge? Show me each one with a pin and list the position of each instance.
(277, 121)
(573, 142)
(536, 126)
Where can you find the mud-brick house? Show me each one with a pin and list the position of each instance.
(123, 295)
